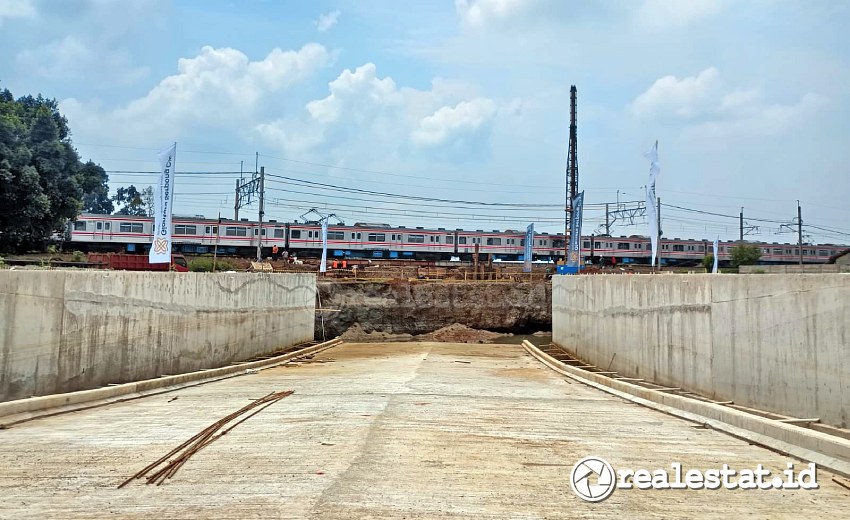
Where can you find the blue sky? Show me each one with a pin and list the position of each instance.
(459, 100)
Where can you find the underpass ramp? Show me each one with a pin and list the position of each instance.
(384, 430)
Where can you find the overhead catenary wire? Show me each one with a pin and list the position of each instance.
(325, 190)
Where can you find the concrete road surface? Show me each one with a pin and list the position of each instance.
(404, 430)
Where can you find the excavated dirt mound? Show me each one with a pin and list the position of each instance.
(457, 333)
(357, 334)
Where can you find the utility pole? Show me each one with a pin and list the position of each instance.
(741, 225)
(607, 223)
(236, 202)
(800, 231)
(260, 230)
(658, 231)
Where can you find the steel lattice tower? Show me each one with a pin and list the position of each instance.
(572, 169)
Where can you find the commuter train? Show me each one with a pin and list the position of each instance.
(198, 235)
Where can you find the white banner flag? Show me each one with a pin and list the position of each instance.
(162, 203)
(651, 201)
(528, 252)
(323, 266)
(714, 269)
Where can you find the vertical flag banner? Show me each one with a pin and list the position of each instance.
(162, 203)
(323, 266)
(651, 210)
(529, 251)
(714, 269)
(574, 259)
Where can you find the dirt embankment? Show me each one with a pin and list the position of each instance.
(413, 308)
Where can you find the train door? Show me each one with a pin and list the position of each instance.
(395, 244)
(102, 230)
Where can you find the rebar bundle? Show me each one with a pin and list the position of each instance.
(203, 439)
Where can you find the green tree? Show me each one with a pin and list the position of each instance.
(134, 202)
(42, 181)
(745, 254)
(93, 180)
(708, 262)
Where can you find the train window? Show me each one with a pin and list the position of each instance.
(278, 233)
(461, 240)
(295, 233)
(182, 229)
(336, 235)
(107, 226)
(99, 226)
(585, 245)
(665, 247)
(678, 247)
(701, 249)
(494, 241)
(376, 237)
(777, 251)
(823, 252)
(358, 236)
(233, 231)
(130, 227)
(79, 226)
(522, 242)
(597, 245)
(622, 245)
(450, 239)
(416, 239)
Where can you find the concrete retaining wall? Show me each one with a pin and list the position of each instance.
(779, 343)
(63, 331)
(794, 269)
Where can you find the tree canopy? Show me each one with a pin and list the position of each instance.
(745, 254)
(134, 202)
(43, 183)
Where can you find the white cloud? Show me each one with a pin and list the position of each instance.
(73, 57)
(16, 9)
(708, 113)
(449, 122)
(477, 13)
(745, 115)
(360, 87)
(328, 20)
(661, 14)
(218, 88)
(682, 98)
(365, 114)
